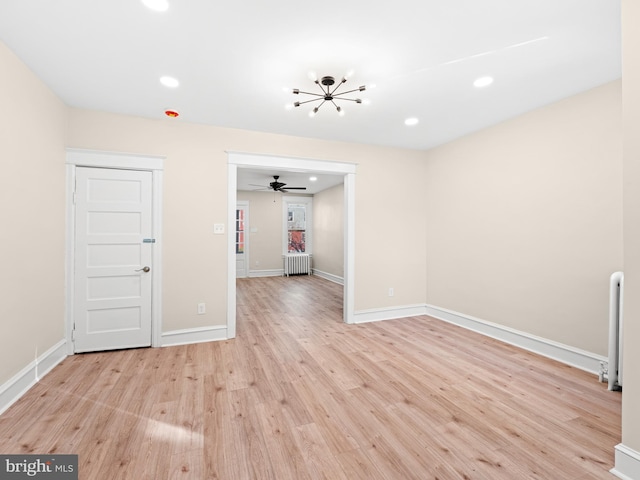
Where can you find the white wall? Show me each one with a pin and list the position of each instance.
(328, 228)
(32, 216)
(194, 259)
(265, 244)
(525, 220)
(505, 209)
(631, 96)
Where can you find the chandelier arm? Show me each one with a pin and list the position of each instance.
(323, 102)
(337, 87)
(348, 99)
(309, 93)
(312, 100)
(322, 89)
(348, 91)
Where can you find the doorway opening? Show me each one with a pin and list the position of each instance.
(267, 163)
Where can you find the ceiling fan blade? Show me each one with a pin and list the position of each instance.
(254, 185)
(296, 188)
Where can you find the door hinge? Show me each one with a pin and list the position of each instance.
(73, 334)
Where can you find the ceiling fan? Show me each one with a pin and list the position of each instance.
(277, 186)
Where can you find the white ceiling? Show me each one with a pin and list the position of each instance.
(234, 58)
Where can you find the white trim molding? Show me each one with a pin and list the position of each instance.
(276, 272)
(566, 354)
(627, 463)
(237, 160)
(124, 161)
(328, 276)
(26, 378)
(391, 313)
(194, 335)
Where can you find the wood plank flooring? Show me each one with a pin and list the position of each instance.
(300, 395)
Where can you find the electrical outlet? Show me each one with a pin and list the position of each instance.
(391, 291)
(218, 228)
(201, 309)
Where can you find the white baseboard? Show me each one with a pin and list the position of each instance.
(566, 354)
(377, 314)
(18, 385)
(627, 464)
(194, 335)
(328, 276)
(278, 272)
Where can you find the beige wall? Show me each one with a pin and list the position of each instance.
(515, 216)
(265, 219)
(328, 231)
(631, 97)
(525, 220)
(265, 244)
(194, 268)
(32, 216)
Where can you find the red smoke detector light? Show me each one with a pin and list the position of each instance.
(171, 113)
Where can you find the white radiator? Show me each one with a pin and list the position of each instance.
(613, 370)
(297, 264)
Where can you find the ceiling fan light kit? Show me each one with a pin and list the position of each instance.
(329, 94)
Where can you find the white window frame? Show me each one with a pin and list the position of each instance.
(308, 203)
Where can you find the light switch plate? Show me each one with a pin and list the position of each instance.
(218, 228)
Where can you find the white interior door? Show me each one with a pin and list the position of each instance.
(242, 244)
(113, 251)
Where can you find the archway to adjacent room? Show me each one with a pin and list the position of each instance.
(266, 162)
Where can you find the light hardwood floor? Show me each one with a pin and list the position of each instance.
(300, 395)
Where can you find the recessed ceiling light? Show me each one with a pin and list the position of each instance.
(169, 82)
(483, 82)
(313, 179)
(411, 121)
(157, 5)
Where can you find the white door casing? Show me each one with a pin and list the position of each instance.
(150, 165)
(237, 160)
(113, 267)
(242, 239)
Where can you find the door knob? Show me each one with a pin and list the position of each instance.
(144, 269)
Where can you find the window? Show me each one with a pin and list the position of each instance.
(239, 230)
(297, 215)
(296, 228)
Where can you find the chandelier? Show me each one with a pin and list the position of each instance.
(329, 94)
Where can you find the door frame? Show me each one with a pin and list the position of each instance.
(121, 161)
(237, 160)
(245, 205)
